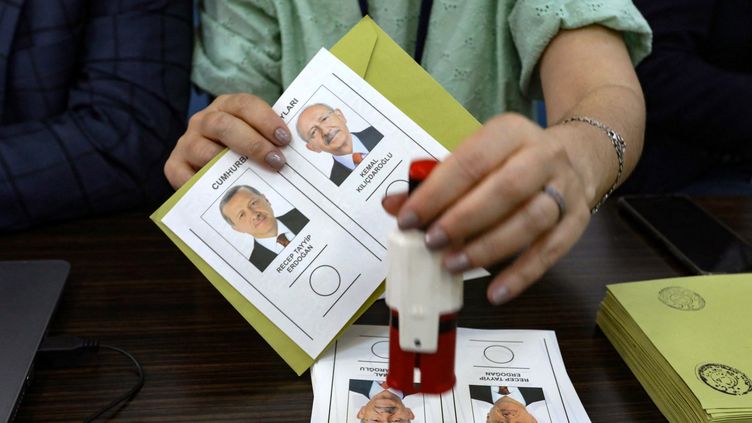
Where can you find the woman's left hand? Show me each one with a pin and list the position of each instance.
(509, 187)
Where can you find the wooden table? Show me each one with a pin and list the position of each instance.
(130, 287)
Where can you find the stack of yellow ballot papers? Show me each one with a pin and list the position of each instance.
(689, 343)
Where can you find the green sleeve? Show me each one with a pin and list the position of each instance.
(238, 49)
(534, 23)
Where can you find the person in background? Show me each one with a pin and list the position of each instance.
(698, 82)
(512, 186)
(93, 95)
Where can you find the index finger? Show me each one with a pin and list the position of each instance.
(258, 114)
(480, 154)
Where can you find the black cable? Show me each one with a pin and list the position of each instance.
(131, 392)
(63, 349)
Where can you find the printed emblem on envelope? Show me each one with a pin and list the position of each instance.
(681, 298)
(724, 378)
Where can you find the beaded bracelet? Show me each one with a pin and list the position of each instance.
(619, 146)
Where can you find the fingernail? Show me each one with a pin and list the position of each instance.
(408, 220)
(500, 295)
(457, 262)
(275, 160)
(436, 238)
(282, 135)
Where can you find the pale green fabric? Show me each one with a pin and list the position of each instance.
(484, 52)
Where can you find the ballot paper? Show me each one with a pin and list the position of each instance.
(327, 206)
(518, 372)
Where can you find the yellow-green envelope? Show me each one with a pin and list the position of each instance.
(688, 341)
(373, 55)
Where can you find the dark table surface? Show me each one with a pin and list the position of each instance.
(131, 287)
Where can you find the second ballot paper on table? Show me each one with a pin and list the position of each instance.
(523, 365)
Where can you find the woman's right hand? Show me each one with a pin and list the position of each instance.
(243, 122)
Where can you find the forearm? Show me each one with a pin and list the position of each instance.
(587, 72)
(590, 150)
